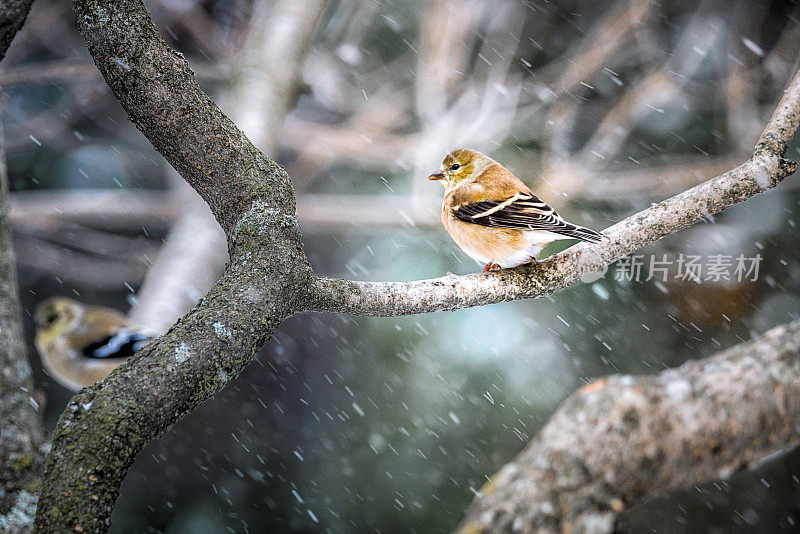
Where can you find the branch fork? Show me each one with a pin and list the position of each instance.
(269, 278)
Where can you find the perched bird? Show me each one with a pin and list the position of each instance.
(80, 345)
(493, 216)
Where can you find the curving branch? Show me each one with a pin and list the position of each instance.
(763, 171)
(194, 254)
(623, 440)
(107, 424)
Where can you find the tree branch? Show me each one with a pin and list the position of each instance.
(763, 171)
(640, 437)
(12, 16)
(194, 255)
(107, 424)
(21, 435)
(40, 209)
(21, 458)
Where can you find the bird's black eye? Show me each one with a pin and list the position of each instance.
(454, 167)
(51, 318)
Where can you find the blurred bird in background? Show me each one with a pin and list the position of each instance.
(493, 216)
(80, 345)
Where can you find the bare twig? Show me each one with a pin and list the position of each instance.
(112, 208)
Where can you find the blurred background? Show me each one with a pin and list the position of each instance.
(350, 424)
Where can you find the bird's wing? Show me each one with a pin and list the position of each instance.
(121, 344)
(521, 211)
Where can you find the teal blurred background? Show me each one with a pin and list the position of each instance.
(354, 424)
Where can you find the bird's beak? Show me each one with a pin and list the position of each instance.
(438, 175)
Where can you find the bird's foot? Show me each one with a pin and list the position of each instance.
(491, 266)
(530, 261)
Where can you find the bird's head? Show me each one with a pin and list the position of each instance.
(56, 313)
(460, 166)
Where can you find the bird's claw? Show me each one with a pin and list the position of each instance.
(491, 266)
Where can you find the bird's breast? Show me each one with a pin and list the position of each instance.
(485, 244)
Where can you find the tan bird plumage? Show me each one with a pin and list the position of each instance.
(493, 216)
(80, 345)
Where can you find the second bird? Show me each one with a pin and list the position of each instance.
(80, 345)
(493, 216)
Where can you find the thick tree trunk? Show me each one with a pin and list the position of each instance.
(21, 458)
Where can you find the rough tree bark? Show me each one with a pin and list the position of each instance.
(105, 425)
(268, 277)
(622, 440)
(264, 85)
(21, 456)
(12, 16)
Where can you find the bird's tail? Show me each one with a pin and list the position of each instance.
(584, 234)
